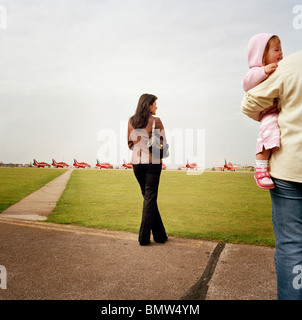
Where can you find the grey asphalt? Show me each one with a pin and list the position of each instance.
(47, 261)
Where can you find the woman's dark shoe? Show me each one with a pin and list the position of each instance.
(161, 240)
(144, 243)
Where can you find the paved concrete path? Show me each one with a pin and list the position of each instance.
(50, 261)
(40, 203)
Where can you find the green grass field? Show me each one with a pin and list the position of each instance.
(17, 183)
(220, 206)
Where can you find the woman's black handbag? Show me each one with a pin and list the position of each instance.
(157, 145)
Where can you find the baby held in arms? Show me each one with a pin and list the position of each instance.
(264, 53)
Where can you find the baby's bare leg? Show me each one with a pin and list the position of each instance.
(264, 155)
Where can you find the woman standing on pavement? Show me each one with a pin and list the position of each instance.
(147, 166)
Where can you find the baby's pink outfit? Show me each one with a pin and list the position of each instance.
(269, 136)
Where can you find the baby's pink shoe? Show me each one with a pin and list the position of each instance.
(263, 179)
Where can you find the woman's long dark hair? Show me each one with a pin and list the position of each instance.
(142, 113)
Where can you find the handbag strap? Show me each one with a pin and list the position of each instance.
(153, 132)
(153, 129)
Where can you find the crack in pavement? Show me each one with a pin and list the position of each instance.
(199, 290)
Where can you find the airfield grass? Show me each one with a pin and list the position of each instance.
(17, 183)
(219, 206)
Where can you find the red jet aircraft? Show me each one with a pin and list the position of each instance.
(80, 164)
(127, 165)
(228, 166)
(59, 164)
(105, 165)
(190, 165)
(40, 164)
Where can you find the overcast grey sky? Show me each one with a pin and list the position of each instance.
(72, 71)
